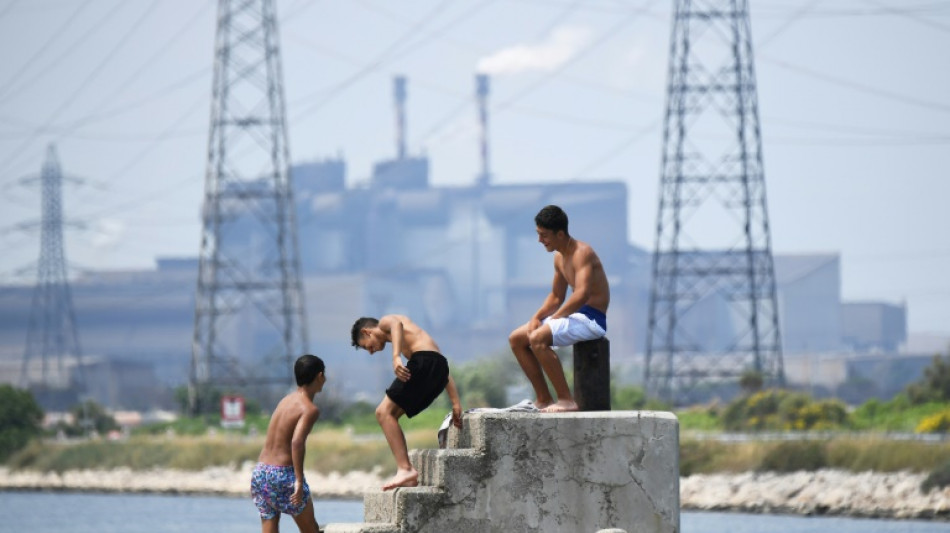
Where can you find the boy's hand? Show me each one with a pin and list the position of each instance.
(402, 373)
(457, 416)
(533, 324)
(297, 497)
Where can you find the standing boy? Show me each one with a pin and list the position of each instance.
(559, 322)
(417, 384)
(278, 484)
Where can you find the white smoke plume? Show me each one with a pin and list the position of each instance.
(560, 46)
(106, 233)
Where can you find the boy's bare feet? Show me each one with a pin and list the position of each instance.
(562, 406)
(403, 478)
(542, 405)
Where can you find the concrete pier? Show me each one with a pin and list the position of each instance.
(528, 472)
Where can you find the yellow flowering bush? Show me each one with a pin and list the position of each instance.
(936, 423)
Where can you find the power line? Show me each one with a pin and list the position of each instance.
(534, 112)
(72, 48)
(857, 12)
(9, 8)
(860, 143)
(60, 31)
(200, 74)
(372, 66)
(148, 197)
(502, 106)
(912, 16)
(859, 87)
(82, 86)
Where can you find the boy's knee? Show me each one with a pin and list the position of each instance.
(537, 341)
(382, 413)
(514, 339)
(519, 338)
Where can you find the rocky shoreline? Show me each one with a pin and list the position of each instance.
(825, 492)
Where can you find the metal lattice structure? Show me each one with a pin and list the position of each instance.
(713, 308)
(52, 339)
(250, 321)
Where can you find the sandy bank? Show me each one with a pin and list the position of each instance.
(218, 481)
(826, 492)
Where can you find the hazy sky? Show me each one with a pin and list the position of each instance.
(854, 99)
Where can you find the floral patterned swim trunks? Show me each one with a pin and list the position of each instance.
(272, 486)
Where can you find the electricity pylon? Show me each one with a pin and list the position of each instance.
(250, 320)
(52, 336)
(713, 308)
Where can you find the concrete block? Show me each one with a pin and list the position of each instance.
(531, 472)
(398, 505)
(573, 471)
(453, 466)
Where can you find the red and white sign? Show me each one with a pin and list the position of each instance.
(232, 411)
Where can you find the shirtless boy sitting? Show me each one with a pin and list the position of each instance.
(278, 484)
(562, 321)
(417, 384)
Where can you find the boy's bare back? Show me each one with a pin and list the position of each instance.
(414, 338)
(292, 419)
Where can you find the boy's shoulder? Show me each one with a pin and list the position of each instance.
(295, 405)
(387, 321)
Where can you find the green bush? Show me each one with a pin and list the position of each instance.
(781, 410)
(699, 419)
(934, 386)
(938, 479)
(484, 383)
(21, 420)
(88, 416)
(898, 414)
(794, 456)
(627, 398)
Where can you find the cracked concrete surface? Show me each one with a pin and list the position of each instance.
(530, 472)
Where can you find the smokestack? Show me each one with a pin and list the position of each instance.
(399, 93)
(481, 97)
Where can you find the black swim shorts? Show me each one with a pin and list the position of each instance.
(429, 376)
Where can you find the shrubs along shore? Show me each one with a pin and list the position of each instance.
(824, 492)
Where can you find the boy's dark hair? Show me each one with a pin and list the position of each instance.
(553, 218)
(306, 369)
(362, 322)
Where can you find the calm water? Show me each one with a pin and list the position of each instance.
(45, 512)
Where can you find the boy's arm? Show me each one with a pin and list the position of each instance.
(397, 335)
(456, 403)
(552, 302)
(298, 449)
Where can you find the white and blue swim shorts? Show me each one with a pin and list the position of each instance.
(584, 325)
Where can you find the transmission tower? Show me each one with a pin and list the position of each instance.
(713, 315)
(250, 320)
(51, 331)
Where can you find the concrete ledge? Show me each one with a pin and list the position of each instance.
(569, 471)
(530, 472)
(360, 528)
(402, 504)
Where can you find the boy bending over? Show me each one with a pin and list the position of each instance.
(417, 384)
